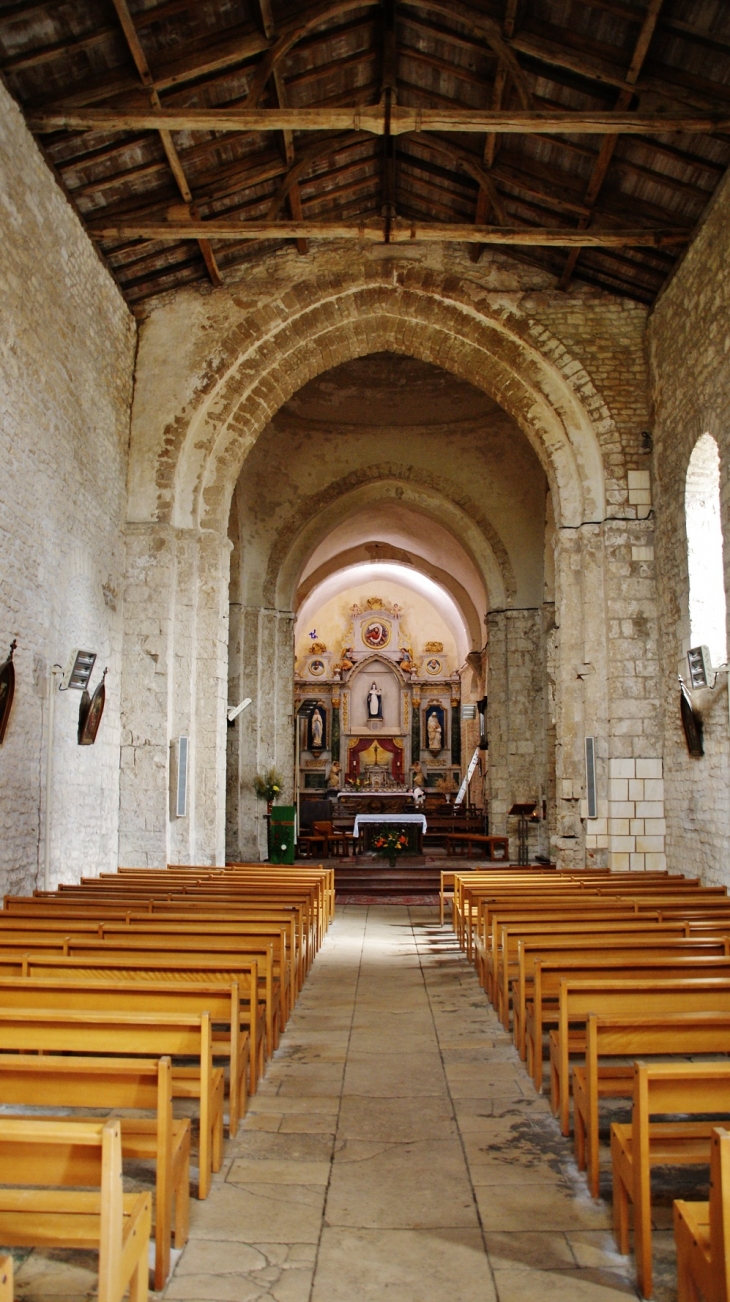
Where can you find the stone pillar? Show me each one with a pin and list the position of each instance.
(173, 684)
(516, 714)
(262, 668)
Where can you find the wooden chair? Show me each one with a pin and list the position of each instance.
(337, 842)
(702, 1233)
(50, 1170)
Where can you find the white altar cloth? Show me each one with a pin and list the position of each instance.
(389, 818)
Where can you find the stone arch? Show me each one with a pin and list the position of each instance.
(321, 513)
(276, 350)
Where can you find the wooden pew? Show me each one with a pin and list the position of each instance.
(50, 1169)
(74, 1081)
(668, 1088)
(543, 1009)
(134, 1035)
(578, 999)
(62, 989)
(702, 1233)
(167, 968)
(657, 943)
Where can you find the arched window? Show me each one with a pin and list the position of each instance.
(704, 550)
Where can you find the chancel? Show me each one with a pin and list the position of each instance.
(365, 408)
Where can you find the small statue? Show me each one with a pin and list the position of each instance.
(317, 730)
(375, 702)
(334, 776)
(346, 660)
(434, 733)
(406, 662)
(419, 796)
(418, 777)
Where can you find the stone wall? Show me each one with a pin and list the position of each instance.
(688, 339)
(68, 346)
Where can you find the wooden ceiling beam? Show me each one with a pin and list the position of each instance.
(372, 119)
(294, 194)
(609, 143)
(140, 62)
(486, 196)
(401, 232)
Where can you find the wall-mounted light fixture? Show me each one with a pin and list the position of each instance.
(701, 672)
(235, 710)
(78, 670)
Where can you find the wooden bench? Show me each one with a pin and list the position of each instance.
(62, 989)
(6, 1278)
(578, 999)
(663, 941)
(549, 973)
(669, 1089)
(702, 1233)
(51, 1171)
(73, 1081)
(134, 1035)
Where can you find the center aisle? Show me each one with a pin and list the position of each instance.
(397, 1149)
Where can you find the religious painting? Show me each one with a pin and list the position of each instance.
(317, 728)
(90, 712)
(7, 690)
(316, 668)
(691, 722)
(376, 634)
(433, 666)
(434, 727)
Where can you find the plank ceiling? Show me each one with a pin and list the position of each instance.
(665, 56)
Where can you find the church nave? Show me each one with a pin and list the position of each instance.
(397, 1148)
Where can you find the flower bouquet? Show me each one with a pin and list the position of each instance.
(391, 844)
(268, 786)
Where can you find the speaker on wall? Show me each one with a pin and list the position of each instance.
(591, 777)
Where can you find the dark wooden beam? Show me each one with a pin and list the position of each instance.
(294, 195)
(401, 232)
(403, 119)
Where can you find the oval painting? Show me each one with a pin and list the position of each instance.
(376, 634)
(433, 666)
(316, 667)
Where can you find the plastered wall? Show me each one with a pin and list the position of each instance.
(689, 339)
(67, 346)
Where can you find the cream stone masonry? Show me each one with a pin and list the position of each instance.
(215, 368)
(66, 373)
(688, 340)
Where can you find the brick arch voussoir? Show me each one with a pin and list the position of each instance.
(429, 340)
(257, 353)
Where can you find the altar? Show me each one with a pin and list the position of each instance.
(368, 828)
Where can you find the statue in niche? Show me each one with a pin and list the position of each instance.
(435, 735)
(375, 702)
(317, 730)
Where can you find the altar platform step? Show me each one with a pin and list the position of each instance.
(378, 878)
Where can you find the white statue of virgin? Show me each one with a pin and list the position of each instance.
(434, 732)
(317, 729)
(374, 699)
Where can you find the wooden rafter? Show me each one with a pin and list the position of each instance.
(609, 143)
(486, 194)
(293, 194)
(140, 61)
(372, 119)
